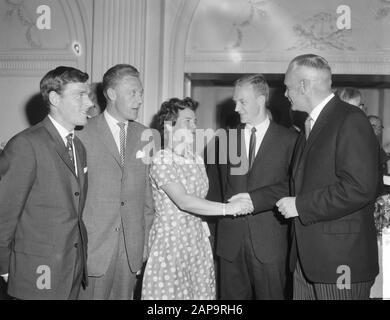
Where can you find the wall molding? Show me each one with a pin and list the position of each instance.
(33, 65)
(37, 61)
(221, 62)
(174, 64)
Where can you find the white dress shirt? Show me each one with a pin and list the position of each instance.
(64, 133)
(315, 113)
(115, 130)
(261, 129)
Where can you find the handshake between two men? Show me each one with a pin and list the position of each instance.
(243, 205)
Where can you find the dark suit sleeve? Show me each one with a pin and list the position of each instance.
(18, 167)
(265, 198)
(212, 164)
(357, 158)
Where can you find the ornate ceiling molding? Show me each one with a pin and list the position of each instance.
(38, 60)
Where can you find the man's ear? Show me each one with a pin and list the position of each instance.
(54, 98)
(261, 100)
(111, 94)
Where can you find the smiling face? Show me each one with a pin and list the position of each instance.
(185, 127)
(294, 90)
(70, 107)
(186, 120)
(249, 105)
(126, 99)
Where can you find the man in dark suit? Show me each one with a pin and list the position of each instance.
(253, 249)
(119, 209)
(43, 240)
(333, 186)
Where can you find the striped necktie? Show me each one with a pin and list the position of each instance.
(122, 141)
(69, 147)
(308, 127)
(252, 147)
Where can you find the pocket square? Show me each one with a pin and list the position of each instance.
(140, 154)
(85, 170)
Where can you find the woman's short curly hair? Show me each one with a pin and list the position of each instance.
(169, 111)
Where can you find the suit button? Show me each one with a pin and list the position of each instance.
(76, 245)
(77, 194)
(122, 204)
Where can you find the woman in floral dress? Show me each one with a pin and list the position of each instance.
(180, 264)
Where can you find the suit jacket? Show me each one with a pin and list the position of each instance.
(268, 233)
(41, 204)
(335, 180)
(118, 200)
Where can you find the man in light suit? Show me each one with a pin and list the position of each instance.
(43, 240)
(333, 186)
(253, 249)
(119, 207)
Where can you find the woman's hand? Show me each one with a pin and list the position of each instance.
(239, 207)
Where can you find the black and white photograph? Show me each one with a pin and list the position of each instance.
(211, 151)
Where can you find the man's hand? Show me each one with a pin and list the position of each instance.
(240, 196)
(239, 207)
(287, 207)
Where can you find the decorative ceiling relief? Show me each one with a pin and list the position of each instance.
(384, 9)
(24, 26)
(320, 32)
(16, 9)
(38, 34)
(257, 10)
(240, 35)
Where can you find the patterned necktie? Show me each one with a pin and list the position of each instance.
(308, 127)
(252, 147)
(69, 147)
(122, 141)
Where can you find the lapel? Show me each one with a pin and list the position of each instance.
(81, 175)
(80, 160)
(300, 145)
(132, 140)
(107, 138)
(58, 144)
(303, 146)
(320, 125)
(237, 159)
(268, 142)
(242, 145)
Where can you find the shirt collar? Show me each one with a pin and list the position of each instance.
(61, 130)
(112, 122)
(260, 127)
(315, 113)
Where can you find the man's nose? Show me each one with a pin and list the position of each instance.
(89, 102)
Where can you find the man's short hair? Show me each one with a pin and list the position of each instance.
(117, 73)
(348, 93)
(258, 83)
(312, 61)
(57, 79)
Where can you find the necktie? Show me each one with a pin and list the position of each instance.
(69, 147)
(307, 127)
(252, 147)
(122, 141)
